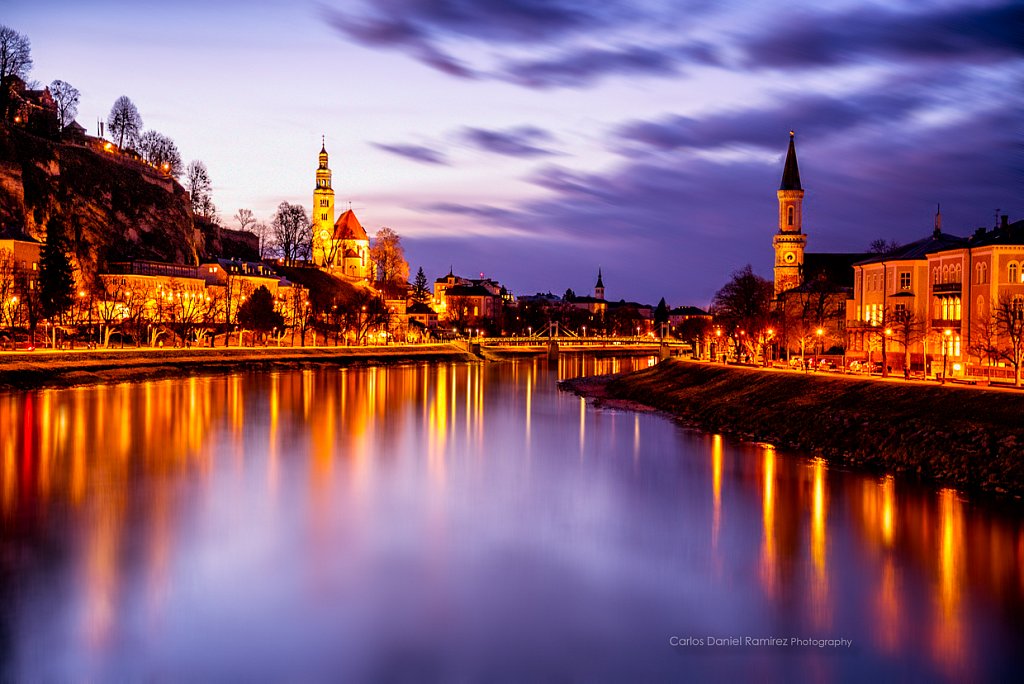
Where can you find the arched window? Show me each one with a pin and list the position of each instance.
(957, 274)
(1013, 271)
(979, 308)
(790, 217)
(945, 274)
(956, 308)
(984, 272)
(938, 309)
(945, 309)
(935, 275)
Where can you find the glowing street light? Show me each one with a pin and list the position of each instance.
(948, 334)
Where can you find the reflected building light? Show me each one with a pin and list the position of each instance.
(887, 628)
(949, 646)
(529, 403)
(888, 510)
(821, 612)
(768, 552)
(583, 424)
(636, 437)
(716, 488)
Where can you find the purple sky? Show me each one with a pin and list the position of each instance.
(536, 140)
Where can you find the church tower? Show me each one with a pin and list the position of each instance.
(790, 241)
(323, 209)
(599, 287)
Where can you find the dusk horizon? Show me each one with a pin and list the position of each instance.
(538, 142)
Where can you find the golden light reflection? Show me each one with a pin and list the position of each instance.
(636, 437)
(949, 642)
(583, 424)
(769, 576)
(820, 608)
(716, 488)
(888, 509)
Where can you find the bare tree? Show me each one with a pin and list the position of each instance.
(245, 219)
(125, 122)
(66, 97)
(15, 54)
(883, 246)
(1008, 316)
(200, 188)
(265, 236)
(743, 307)
(908, 330)
(291, 232)
(160, 151)
(389, 257)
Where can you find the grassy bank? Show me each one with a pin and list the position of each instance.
(47, 369)
(964, 437)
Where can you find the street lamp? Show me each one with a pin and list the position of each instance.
(948, 334)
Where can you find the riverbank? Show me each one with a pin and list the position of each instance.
(68, 369)
(968, 438)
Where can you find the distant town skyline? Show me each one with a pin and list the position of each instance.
(538, 140)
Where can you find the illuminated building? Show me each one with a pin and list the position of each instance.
(340, 246)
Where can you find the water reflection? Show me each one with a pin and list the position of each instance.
(285, 512)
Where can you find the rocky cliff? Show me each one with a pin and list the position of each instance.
(117, 208)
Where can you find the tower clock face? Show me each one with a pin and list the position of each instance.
(789, 257)
(324, 235)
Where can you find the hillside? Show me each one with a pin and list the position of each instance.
(118, 209)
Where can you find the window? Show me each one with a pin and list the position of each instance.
(901, 308)
(935, 275)
(1013, 271)
(905, 280)
(945, 309)
(955, 308)
(790, 217)
(957, 274)
(945, 274)
(984, 272)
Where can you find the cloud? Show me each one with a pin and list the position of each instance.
(969, 32)
(582, 67)
(585, 42)
(419, 153)
(524, 141)
(810, 115)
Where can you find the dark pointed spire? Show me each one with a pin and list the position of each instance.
(323, 144)
(938, 220)
(791, 174)
(599, 281)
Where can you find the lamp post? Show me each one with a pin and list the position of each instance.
(885, 349)
(768, 352)
(947, 339)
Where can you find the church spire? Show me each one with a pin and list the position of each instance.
(791, 173)
(599, 287)
(938, 220)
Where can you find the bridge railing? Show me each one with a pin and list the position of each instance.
(534, 341)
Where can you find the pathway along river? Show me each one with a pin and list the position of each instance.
(468, 522)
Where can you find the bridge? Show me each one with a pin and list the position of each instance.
(578, 344)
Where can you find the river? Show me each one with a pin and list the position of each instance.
(468, 522)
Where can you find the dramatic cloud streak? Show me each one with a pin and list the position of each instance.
(419, 153)
(524, 141)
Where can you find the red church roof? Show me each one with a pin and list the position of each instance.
(347, 227)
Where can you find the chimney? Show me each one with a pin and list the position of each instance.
(1004, 220)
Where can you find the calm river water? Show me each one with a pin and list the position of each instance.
(467, 523)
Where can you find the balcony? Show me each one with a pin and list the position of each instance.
(947, 288)
(942, 323)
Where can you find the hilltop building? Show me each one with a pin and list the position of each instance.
(340, 246)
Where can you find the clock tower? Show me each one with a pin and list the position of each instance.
(323, 210)
(789, 241)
